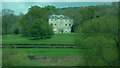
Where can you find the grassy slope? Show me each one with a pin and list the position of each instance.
(56, 39)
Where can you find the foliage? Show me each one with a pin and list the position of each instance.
(100, 35)
(0, 24)
(51, 9)
(16, 31)
(35, 24)
(8, 19)
(78, 14)
(14, 57)
(82, 14)
(40, 29)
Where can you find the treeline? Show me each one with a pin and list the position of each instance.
(100, 34)
(14, 24)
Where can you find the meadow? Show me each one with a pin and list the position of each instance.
(54, 56)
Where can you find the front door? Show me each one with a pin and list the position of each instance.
(61, 30)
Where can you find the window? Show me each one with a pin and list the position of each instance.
(69, 24)
(65, 24)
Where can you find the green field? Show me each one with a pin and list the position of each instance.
(56, 39)
(54, 56)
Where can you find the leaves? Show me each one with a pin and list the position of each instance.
(100, 35)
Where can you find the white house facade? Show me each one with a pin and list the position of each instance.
(61, 23)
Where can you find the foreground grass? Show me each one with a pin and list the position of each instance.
(58, 52)
(54, 56)
(56, 39)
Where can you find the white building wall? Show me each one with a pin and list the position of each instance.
(61, 25)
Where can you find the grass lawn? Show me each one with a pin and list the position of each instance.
(56, 39)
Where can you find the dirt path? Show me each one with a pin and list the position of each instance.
(59, 60)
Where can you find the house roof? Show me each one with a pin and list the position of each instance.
(58, 17)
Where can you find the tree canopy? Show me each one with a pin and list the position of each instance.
(35, 24)
(100, 35)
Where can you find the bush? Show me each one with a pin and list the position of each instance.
(14, 57)
(100, 35)
(104, 51)
(16, 31)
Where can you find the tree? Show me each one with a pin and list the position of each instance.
(40, 29)
(28, 19)
(37, 12)
(74, 14)
(16, 31)
(0, 27)
(100, 35)
(51, 9)
(8, 19)
(34, 23)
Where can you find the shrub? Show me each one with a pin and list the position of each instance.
(16, 31)
(14, 57)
